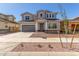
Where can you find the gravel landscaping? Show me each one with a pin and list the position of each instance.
(45, 47)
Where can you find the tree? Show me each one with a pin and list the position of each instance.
(64, 17)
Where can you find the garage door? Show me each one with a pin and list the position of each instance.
(28, 28)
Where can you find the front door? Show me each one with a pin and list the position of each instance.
(41, 26)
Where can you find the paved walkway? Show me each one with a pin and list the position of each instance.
(43, 34)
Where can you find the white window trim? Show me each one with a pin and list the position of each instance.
(52, 28)
(25, 18)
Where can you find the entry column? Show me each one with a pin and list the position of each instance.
(21, 27)
(46, 25)
(36, 26)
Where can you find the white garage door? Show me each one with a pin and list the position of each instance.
(28, 28)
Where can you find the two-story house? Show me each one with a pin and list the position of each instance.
(8, 23)
(43, 20)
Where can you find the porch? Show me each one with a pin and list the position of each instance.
(47, 26)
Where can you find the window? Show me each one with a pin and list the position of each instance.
(47, 15)
(49, 26)
(26, 17)
(52, 26)
(6, 26)
(41, 15)
(52, 16)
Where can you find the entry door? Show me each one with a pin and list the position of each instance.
(41, 26)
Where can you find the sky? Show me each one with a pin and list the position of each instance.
(16, 9)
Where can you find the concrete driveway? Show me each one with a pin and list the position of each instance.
(7, 42)
(17, 35)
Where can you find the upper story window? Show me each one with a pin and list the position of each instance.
(41, 15)
(27, 17)
(50, 15)
(53, 16)
(47, 16)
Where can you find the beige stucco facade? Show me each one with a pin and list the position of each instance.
(8, 23)
(46, 25)
(13, 27)
(43, 20)
(2, 25)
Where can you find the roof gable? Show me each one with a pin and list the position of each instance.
(26, 13)
(77, 18)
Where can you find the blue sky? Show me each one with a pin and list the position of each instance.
(17, 9)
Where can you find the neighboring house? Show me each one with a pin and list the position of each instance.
(72, 23)
(8, 24)
(43, 20)
(64, 23)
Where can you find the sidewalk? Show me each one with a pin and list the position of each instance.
(39, 53)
